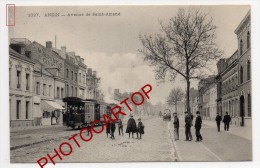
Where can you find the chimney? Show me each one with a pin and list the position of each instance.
(48, 44)
(63, 52)
(89, 71)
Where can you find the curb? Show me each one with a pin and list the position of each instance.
(175, 153)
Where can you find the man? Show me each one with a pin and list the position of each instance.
(218, 121)
(226, 121)
(120, 127)
(131, 126)
(176, 126)
(198, 123)
(112, 129)
(140, 128)
(187, 127)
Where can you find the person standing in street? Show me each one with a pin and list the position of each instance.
(140, 128)
(187, 127)
(120, 127)
(176, 126)
(131, 126)
(108, 129)
(198, 123)
(112, 129)
(218, 121)
(226, 121)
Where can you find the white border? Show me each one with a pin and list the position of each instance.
(4, 87)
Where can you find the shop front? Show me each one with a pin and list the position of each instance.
(52, 113)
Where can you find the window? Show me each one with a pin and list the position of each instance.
(49, 90)
(27, 109)
(84, 79)
(248, 40)
(76, 91)
(27, 81)
(76, 77)
(37, 88)
(44, 90)
(248, 70)
(61, 92)
(241, 75)
(18, 79)
(71, 75)
(67, 73)
(46, 114)
(58, 92)
(249, 105)
(72, 91)
(241, 47)
(79, 77)
(18, 104)
(68, 89)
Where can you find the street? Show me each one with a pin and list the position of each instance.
(156, 145)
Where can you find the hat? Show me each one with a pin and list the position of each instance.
(131, 115)
(186, 112)
(197, 112)
(174, 113)
(139, 119)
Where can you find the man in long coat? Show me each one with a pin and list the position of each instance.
(188, 123)
(131, 126)
(112, 129)
(176, 126)
(218, 121)
(226, 121)
(198, 123)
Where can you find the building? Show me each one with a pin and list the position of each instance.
(92, 81)
(243, 32)
(21, 90)
(207, 97)
(229, 87)
(48, 84)
(81, 78)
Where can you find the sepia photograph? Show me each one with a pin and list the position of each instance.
(143, 83)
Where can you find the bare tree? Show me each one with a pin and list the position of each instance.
(186, 47)
(174, 97)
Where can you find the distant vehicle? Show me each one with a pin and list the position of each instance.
(167, 115)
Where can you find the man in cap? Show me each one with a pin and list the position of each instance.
(187, 127)
(218, 121)
(198, 123)
(176, 126)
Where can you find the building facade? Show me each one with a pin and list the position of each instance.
(20, 86)
(229, 88)
(243, 32)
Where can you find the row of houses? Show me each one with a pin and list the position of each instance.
(40, 77)
(230, 90)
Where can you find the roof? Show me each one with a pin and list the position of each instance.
(18, 55)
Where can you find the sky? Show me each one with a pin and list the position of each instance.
(109, 44)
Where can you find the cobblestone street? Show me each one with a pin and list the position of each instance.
(156, 145)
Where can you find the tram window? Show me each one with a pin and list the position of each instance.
(46, 114)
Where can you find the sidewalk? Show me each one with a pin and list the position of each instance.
(244, 132)
(233, 145)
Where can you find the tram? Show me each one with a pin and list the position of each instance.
(79, 113)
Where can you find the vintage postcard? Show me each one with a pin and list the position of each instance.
(154, 83)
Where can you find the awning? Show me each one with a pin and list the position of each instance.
(50, 106)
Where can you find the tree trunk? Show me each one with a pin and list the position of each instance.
(176, 107)
(188, 97)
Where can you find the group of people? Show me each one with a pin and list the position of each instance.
(226, 120)
(132, 127)
(198, 122)
(188, 124)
